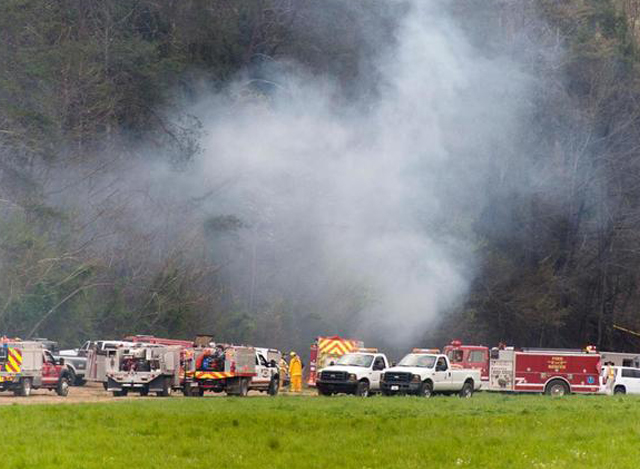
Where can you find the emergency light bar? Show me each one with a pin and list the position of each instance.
(366, 350)
(425, 350)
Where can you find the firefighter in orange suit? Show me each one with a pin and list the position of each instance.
(295, 373)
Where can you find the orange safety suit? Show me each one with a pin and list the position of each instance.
(295, 373)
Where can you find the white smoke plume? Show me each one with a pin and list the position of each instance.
(354, 217)
(364, 211)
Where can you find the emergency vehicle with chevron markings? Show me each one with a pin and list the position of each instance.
(27, 365)
(218, 368)
(327, 350)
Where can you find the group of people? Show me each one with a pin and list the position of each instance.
(292, 370)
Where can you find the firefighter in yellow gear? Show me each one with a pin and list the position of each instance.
(283, 372)
(295, 372)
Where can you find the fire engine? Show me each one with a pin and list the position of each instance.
(549, 371)
(326, 350)
(27, 365)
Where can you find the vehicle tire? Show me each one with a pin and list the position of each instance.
(187, 390)
(166, 388)
(120, 393)
(467, 390)
(144, 391)
(362, 389)
(426, 390)
(387, 393)
(619, 390)
(243, 387)
(274, 386)
(71, 376)
(322, 392)
(557, 388)
(24, 388)
(80, 381)
(200, 392)
(62, 389)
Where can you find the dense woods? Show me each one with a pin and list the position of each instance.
(91, 90)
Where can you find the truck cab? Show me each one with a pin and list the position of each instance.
(425, 373)
(469, 356)
(356, 373)
(267, 377)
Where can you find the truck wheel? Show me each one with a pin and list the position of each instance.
(322, 392)
(619, 390)
(120, 393)
(243, 387)
(467, 390)
(426, 390)
(71, 375)
(187, 391)
(200, 392)
(274, 386)
(362, 390)
(63, 386)
(166, 388)
(556, 388)
(80, 381)
(144, 391)
(24, 388)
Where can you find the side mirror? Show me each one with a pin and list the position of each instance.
(393, 363)
(331, 363)
(60, 361)
(273, 364)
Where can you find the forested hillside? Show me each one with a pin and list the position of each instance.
(125, 130)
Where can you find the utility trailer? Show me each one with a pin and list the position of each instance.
(141, 368)
(101, 356)
(217, 368)
(27, 365)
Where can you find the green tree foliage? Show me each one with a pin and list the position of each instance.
(83, 80)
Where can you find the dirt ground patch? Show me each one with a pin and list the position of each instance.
(94, 392)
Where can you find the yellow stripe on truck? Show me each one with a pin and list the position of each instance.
(213, 374)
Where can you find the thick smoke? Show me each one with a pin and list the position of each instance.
(349, 215)
(363, 216)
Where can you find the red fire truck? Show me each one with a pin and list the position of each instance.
(327, 349)
(554, 372)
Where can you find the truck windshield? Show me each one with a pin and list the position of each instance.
(355, 360)
(421, 361)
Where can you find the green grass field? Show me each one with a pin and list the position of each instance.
(492, 431)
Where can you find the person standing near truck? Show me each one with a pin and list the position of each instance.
(295, 372)
(283, 372)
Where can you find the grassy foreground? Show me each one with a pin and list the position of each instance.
(491, 431)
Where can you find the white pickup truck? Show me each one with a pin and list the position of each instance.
(425, 374)
(354, 373)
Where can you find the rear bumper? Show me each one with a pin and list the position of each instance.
(155, 383)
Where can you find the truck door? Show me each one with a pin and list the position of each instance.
(49, 369)
(263, 372)
(377, 368)
(442, 380)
